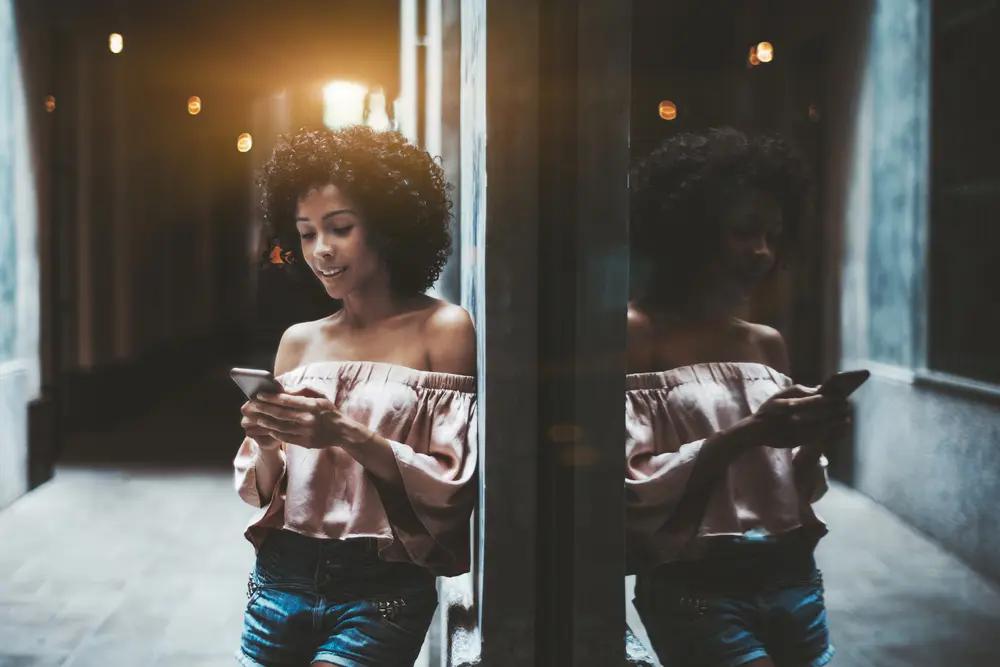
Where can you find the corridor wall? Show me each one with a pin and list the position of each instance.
(19, 266)
(926, 441)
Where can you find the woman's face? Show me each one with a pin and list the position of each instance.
(751, 232)
(335, 243)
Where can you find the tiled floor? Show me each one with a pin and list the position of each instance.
(145, 563)
(104, 568)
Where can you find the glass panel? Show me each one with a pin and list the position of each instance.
(965, 239)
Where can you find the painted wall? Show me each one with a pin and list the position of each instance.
(926, 446)
(19, 282)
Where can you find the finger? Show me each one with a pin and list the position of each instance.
(795, 391)
(816, 399)
(302, 421)
(305, 391)
(808, 406)
(817, 407)
(292, 401)
(253, 429)
(281, 412)
(296, 439)
(280, 425)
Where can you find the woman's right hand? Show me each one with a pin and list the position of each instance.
(254, 430)
(798, 415)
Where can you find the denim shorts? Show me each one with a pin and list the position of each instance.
(737, 606)
(333, 600)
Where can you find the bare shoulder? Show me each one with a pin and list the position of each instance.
(639, 340)
(450, 339)
(294, 343)
(771, 344)
(639, 326)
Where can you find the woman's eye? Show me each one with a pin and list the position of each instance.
(308, 235)
(343, 231)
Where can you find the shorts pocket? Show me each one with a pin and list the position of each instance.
(677, 602)
(408, 613)
(253, 590)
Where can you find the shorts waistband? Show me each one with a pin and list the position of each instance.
(737, 564)
(325, 545)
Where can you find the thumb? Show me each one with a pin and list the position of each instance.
(307, 392)
(796, 391)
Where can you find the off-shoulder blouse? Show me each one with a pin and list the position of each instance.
(669, 415)
(430, 421)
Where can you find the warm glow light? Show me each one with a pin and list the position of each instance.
(50, 103)
(765, 52)
(378, 117)
(115, 43)
(753, 59)
(668, 110)
(343, 104)
(194, 105)
(813, 113)
(244, 143)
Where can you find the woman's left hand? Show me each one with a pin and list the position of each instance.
(306, 418)
(833, 434)
(840, 430)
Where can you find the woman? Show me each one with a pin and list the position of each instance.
(724, 453)
(362, 466)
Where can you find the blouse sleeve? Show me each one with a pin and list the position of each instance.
(655, 482)
(437, 463)
(245, 474)
(659, 462)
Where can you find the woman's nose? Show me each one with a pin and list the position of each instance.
(762, 246)
(324, 246)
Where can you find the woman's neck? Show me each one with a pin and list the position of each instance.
(696, 308)
(371, 305)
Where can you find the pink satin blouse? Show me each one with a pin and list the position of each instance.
(430, 422)
(668, 417)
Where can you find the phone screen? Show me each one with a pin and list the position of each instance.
(844, 384)
(254, 382)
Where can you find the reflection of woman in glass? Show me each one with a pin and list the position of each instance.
(724, 452)
(362, 466)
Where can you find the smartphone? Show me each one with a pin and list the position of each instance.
(254, 382)
(844, 384)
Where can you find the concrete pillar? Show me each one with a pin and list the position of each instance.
(545, 102)
(583, 262)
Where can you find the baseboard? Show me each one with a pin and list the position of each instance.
(43, 440)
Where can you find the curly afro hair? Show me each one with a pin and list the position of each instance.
(400, 190)
(683, 191)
